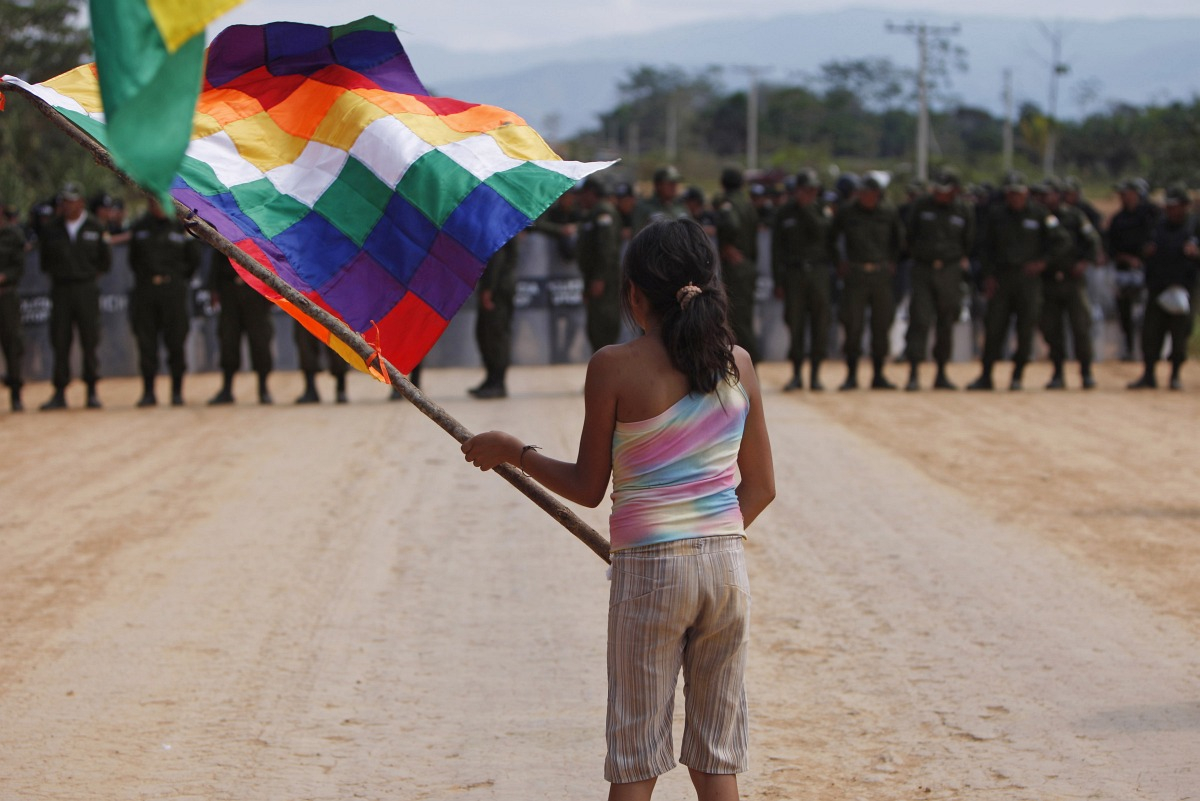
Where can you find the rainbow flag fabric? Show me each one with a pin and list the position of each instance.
(150, 59)
(320, 153)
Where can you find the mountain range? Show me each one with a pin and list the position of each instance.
(560, 89)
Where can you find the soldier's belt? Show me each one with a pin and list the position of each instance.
(868, 266)
(159, 280)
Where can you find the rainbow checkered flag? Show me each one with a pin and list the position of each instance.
(320, 153)
(150, 58)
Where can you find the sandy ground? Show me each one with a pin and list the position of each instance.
(956, 597)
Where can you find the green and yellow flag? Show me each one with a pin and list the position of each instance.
(150, 61)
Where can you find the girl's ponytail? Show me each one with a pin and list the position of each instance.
(673, 263)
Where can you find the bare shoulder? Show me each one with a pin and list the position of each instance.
(746, 372)
(606, 366)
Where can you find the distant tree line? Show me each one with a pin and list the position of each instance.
(863, 111)
(857, 113)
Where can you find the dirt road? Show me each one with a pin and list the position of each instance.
(956, 597)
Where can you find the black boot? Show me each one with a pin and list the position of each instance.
(1176, 382)
(814, 377)
(340, 389)
(14, 397)
(1147, 381)
(797, 382)
(984, 382)
(1057, 381)
(176, 390)
(914, 378)
(1018, 372)
(1085, 374)
(851, 381)
(879, 380)
(941, 381)
(93, 400)
(264, 395)
(492, 386)
(57, 401)
(310, 390)
(225, 396)
(148, 398)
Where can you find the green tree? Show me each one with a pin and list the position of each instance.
(38, 40)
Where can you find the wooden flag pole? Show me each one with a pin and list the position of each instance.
(206, 233)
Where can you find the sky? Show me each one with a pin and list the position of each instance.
(492, 25)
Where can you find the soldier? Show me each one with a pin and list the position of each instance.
(244, 312)
(1072, 193)
(737, 244)
(599, 254)
(1128, 232)
(801, 260)
(626, 200)
(163, 259)
(74, 253)
(493, 325)
(765, 200)
(1064, 289)
(1172, 261)
(697, 209)
(663, 204)
(1020, 235)
(941, 233)
(310, 351)
(12, 266)
(872, 235)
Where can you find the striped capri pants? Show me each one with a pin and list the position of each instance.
(681, 605)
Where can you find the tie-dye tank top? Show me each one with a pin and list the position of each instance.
(673, 475)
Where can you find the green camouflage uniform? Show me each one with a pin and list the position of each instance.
(940, 237)
(74, 266)
(1064, 292)
(1012, 240)
(651, 209)
(163, 259)
(244, 311)
(12, 343)
(599, 253)
(800, 265)
(873, 239)
(737, 229)
(493, 327)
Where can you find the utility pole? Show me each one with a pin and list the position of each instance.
(1058, 68)
(923, 31)
(1008, 121)
(755, 74)
(672, 143)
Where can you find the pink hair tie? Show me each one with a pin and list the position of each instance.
(686, 294)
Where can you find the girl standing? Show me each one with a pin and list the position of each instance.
(672, 416)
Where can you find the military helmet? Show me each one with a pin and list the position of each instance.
(1138, 185)
(1015, 182)
(807, 178)
(665, 174)
(70, 191)
(946, 179)
(1177, 193)
(593, 184)
(846, 185)
(732, 178)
